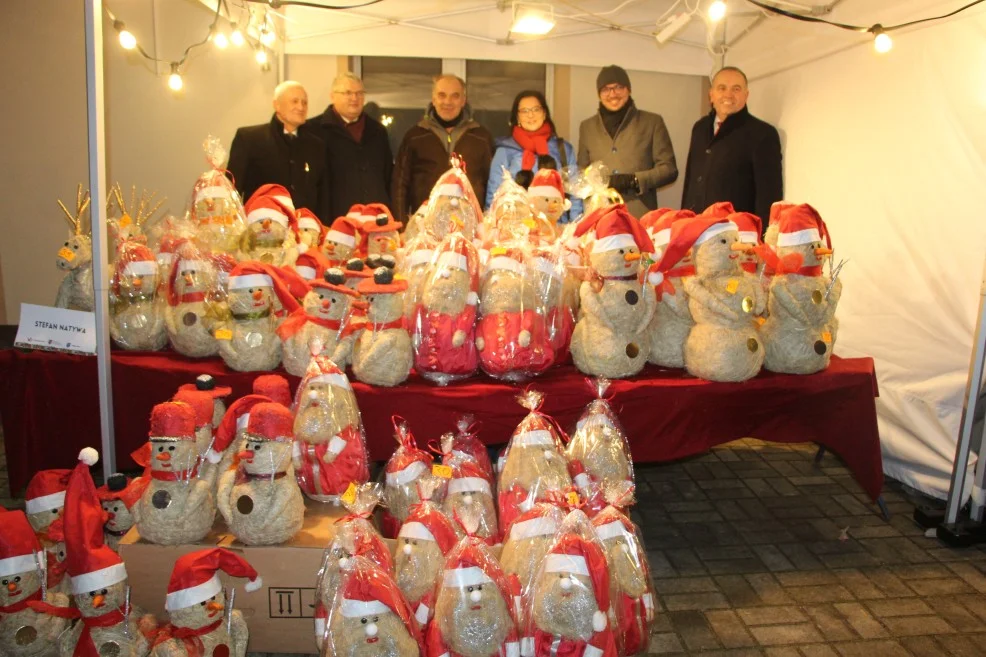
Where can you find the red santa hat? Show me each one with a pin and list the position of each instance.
(548, 183)
(166, 248)
(615, 229)
(133, 259)
(506, 259)
(46, 491)
(456, 252)
(720, 209)
(236, 419)
(611, 522)
(749, 226)
(207, 383)
(408, 462)
(172, 421)
(421, 253)
(426, 522)
(278, 193)
(468, 477)
(535, 430)
(650, 217)
(271, 421)
(195, 577)
(91, 563)
(452, 183)
(201, 403)
(660, 229)
(540, 520)
(472, 564)
(266, 208)
(20, 550)
(370, 591)
(573, 554)
(321, 369)
(775, 210)
(285, 283)
(188, 259)
(343, 231)
(118, 487)
(275, 387)
(801, 224)
(685, 235)
(311, 265)
(305, 219)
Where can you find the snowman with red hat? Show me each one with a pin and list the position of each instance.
(425, 539)
(26, 631)
(309, 230)
(201, 404)
(320, 325)
(547, 194)
(340, 241)
(329, 451)
(382, 235)
(800, 331)
(472, 606)
(405, 479)
(44, 500)
(569, 607)
(452, 205)
(136, 310)
(776, 208)
(260, 499)
(268, 237)
(382, 355)
(117, 497)
(610, 338)
(193, 303)
(202, 621)
(248, 342)
(178, 505)
(672, 320)
(724, 344)
(110, 624)
(207, 383)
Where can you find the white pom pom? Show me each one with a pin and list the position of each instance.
(343, 562)
(89, 455)
(548, 455)
(655, 278)
(254, 584)
(566, 584)
(371, 630)
(467, 499)
(475, 596)
(599, 621)
(213, 456)
(407, 548)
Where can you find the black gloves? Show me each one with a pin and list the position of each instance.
(624, 183)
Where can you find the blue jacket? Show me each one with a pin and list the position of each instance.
(509, 154)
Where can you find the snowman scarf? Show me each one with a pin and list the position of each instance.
(189, 637)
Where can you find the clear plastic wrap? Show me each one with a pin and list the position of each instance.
(405, 467)
(136, 218)
(599, 451)
(557, 294)
(466, 442)
(592, 184)
(534, 465)
(382, 354)
(443, 331)
(452, 206)
(137, 311)
(568, 609)
(383, 236)
(631, 588)
(339, 242)
(308, 230)
(215, 208)
(473, 605)
(510, 218)
(330, 445)
(425, 538)
(419, 254)
(268, 237)
(259, 499)
(547, 196)
(367, 615)
(196, 302)
(469, 493)
(321, 326)
(524, 547)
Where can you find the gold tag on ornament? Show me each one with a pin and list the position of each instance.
(827, 337)
(732, 286)
(816, 297)
(350, 495)
(572, 498)
(748, 304)
(66, 253)
(224, 334)
(125, 220)
(443, 471)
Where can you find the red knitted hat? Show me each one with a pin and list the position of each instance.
(343, 231)
(285, 283)
(271, 421)
(749, 226)
(236, 419)
(720, 209)
(201, 403)
(456, 252)
(369, 591)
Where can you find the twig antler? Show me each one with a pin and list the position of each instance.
(140, 210)
(81, 205)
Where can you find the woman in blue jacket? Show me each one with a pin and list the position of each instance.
(534, 144)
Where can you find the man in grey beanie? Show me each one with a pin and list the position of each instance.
(634, 144)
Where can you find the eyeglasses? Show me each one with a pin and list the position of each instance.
(529, 111)
(351, 94)
(612, 89)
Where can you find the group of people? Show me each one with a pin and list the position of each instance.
(342, 157)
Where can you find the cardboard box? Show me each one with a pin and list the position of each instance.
(280, 614)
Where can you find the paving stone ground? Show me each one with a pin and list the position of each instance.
(756, 551)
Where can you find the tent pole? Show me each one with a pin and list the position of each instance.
(97, 213)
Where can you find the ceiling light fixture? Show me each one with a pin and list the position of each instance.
(533, 18)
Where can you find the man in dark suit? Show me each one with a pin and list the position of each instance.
(733, 156)
(357, 148)
(277, 152)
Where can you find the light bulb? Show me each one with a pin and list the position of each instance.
(267, 37)
(717, 11)
(261, 56)
(883, 43)
(236, 37)
(220, 40)
(128, 40)
(174, 80)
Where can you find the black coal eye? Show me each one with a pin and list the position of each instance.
(66, 243)
(213, 598)
(92, 594)
(61, 554)
(202, 604)
(258, 448)
(171, 449)
(376, 618)
(160, 449)
(469, 589)
(621, 251)
(75, 246)
(723, 240)
(115, 509)
(364, 620)
(103, 592)
(4, 582)
(54, 511)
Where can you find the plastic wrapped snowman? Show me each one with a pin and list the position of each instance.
(599, 451)
(672, 320)
(195, 303)
(216, 209)
(382, 355)
(44, 500)
(425, 539)
(136, 310)
(321, 325)
(404, 469)
(339, 242)
(524, 547)
(268, 237)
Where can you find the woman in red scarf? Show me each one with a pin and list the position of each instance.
(533, 144)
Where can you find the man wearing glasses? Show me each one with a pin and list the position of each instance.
(357, 149)
(634, 144)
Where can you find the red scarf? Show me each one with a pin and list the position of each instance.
(534, 144)
(242, 476)
(666, 286)
(192, 297)
(161, 475)
(189, 637)
(298, 318)
(400, 323)
(86, 647)
(22, 605)
(36, 604)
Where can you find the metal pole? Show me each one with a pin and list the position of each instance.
(956, 489)
(97, 209)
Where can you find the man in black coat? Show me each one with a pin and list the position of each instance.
(733, 156)
(276, 152)
(357, 148)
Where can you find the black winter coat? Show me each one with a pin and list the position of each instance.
(359, 172)
(741, 164)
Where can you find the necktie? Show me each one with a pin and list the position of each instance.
(715, 129)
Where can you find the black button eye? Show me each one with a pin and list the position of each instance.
(103, 592)
(115, 509)
(622, 251)
(55, 511)
(66, 243)
(92, 594)
(75, 246)
(469, 589)
(202, 604)
(723, 240)
(363, 620)
(160, 449)
(171, 449)
(61, 554)
(4, 582)
(258, 448)
(376, 618)
(17, 579)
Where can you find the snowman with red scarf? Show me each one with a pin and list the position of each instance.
(672, 320)
(268, 237)
(323, 319)
(109, 625)
(117, 497)
(202, 625)
(26, 632)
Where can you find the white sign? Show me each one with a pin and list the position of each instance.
(56, 329)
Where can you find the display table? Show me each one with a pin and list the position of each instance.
(49, 408)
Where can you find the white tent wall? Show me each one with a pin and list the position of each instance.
(153, 136)
(891, 149)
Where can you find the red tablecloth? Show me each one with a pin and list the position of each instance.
(49, 408)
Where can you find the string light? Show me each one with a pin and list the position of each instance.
(236, 36)
(261, 56)
(127, 39)
(174, 80)
(267, 36)
(220, 40)
(717, 11)
(881, 40)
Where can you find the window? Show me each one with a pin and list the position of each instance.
(493, 87)
(398, 89)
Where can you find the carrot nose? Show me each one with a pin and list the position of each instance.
(265, 224)
(258, 295)
(189, 280)
(822, 251)
(329, 247)
(325, 304)
(98, 601)
(11, 587)
(214, 606)
(245, 455)
(630, 257)
(163, 456)
(737, 246)
(138, 281)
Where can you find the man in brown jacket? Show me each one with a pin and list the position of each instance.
(447, 127)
